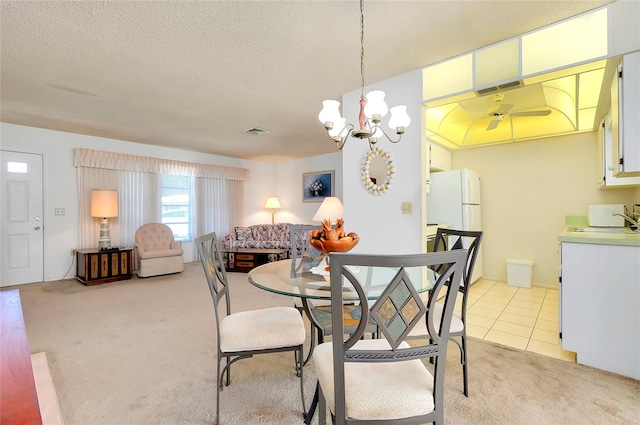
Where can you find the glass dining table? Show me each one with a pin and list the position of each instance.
(303, 279)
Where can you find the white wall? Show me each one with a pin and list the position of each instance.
(528, 188)
(288, 186)
(60, 184)
(378, 220)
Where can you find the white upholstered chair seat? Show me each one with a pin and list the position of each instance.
(261, 329)
(406, 387)
(421, 327)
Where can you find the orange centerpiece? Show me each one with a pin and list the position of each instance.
(328, 240)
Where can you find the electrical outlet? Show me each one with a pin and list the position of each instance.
(73, 252)
(407, 208)
(59, 211)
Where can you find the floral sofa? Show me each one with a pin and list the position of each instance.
(264, 236)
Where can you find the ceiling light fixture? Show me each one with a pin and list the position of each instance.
(372, 109)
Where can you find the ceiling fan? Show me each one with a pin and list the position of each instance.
(504, 108)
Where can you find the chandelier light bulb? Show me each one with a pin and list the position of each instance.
(399, 117)
(375, 104)
(330, 112)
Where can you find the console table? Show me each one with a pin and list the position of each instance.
(94, 266)
(245, 259)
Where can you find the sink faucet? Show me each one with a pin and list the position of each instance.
(630, 220)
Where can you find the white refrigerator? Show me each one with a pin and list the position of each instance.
(454, 199)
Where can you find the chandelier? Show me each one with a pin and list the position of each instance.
(372, 109)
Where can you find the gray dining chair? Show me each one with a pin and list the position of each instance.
(318, 311)
(446, 240)
(244, 334)
(303, 253)
(386, 380)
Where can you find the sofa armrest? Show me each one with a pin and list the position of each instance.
(176, 244)
(228, 239)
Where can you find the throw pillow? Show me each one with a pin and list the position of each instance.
(243, 234)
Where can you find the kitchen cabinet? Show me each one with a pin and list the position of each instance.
(605, 150)
(438, 159)
(625, 109)
(600, 305)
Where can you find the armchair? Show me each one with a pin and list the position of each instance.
(157, 252)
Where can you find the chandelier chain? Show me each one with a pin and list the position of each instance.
(361, 48)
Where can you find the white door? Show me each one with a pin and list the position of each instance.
(21, 234)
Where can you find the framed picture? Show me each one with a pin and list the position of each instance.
(317, 186)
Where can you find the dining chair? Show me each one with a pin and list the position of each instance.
(318, 311)
(385, 380)
(244, 334)
(446, 240)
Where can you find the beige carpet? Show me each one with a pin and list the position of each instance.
(141, 352)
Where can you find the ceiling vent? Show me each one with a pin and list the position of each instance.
(499, 88)
(257, 131)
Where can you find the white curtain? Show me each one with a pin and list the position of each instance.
(217, 194)
(217, 206)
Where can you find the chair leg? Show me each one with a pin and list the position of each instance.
(219, 380)
(312, 408)
(300, 367)
(322, 408)
(463, 358)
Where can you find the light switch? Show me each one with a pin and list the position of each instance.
(59, 211)
(407, 208)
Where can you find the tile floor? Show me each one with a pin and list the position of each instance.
(523, 318)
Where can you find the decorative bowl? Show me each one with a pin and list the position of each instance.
(341, 245)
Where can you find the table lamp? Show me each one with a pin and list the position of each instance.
(331, 209)
(273, 203)
(104, 203)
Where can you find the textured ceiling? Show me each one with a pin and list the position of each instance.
(194, 75)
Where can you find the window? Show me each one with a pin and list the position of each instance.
(176, 205)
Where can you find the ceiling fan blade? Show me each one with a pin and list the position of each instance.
(493, 124)
(503, 108)
(531, 113)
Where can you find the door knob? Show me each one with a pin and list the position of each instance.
(37, 228)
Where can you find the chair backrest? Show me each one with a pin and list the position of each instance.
(300, 246)
(213, 264)
(154, 236)
(398, 309)
(450, 239)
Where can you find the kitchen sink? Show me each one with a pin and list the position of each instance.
(622, 230)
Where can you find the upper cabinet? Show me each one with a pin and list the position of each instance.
(605, 150)
(439, 158)
(625, 109)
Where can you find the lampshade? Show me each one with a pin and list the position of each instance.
(272, 202)
(331, 209)
(104, 203)
(375, 104)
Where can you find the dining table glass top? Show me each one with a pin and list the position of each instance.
(306, 280)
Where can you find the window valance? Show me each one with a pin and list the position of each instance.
(118, 161)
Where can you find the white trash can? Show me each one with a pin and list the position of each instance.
(519, 272)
